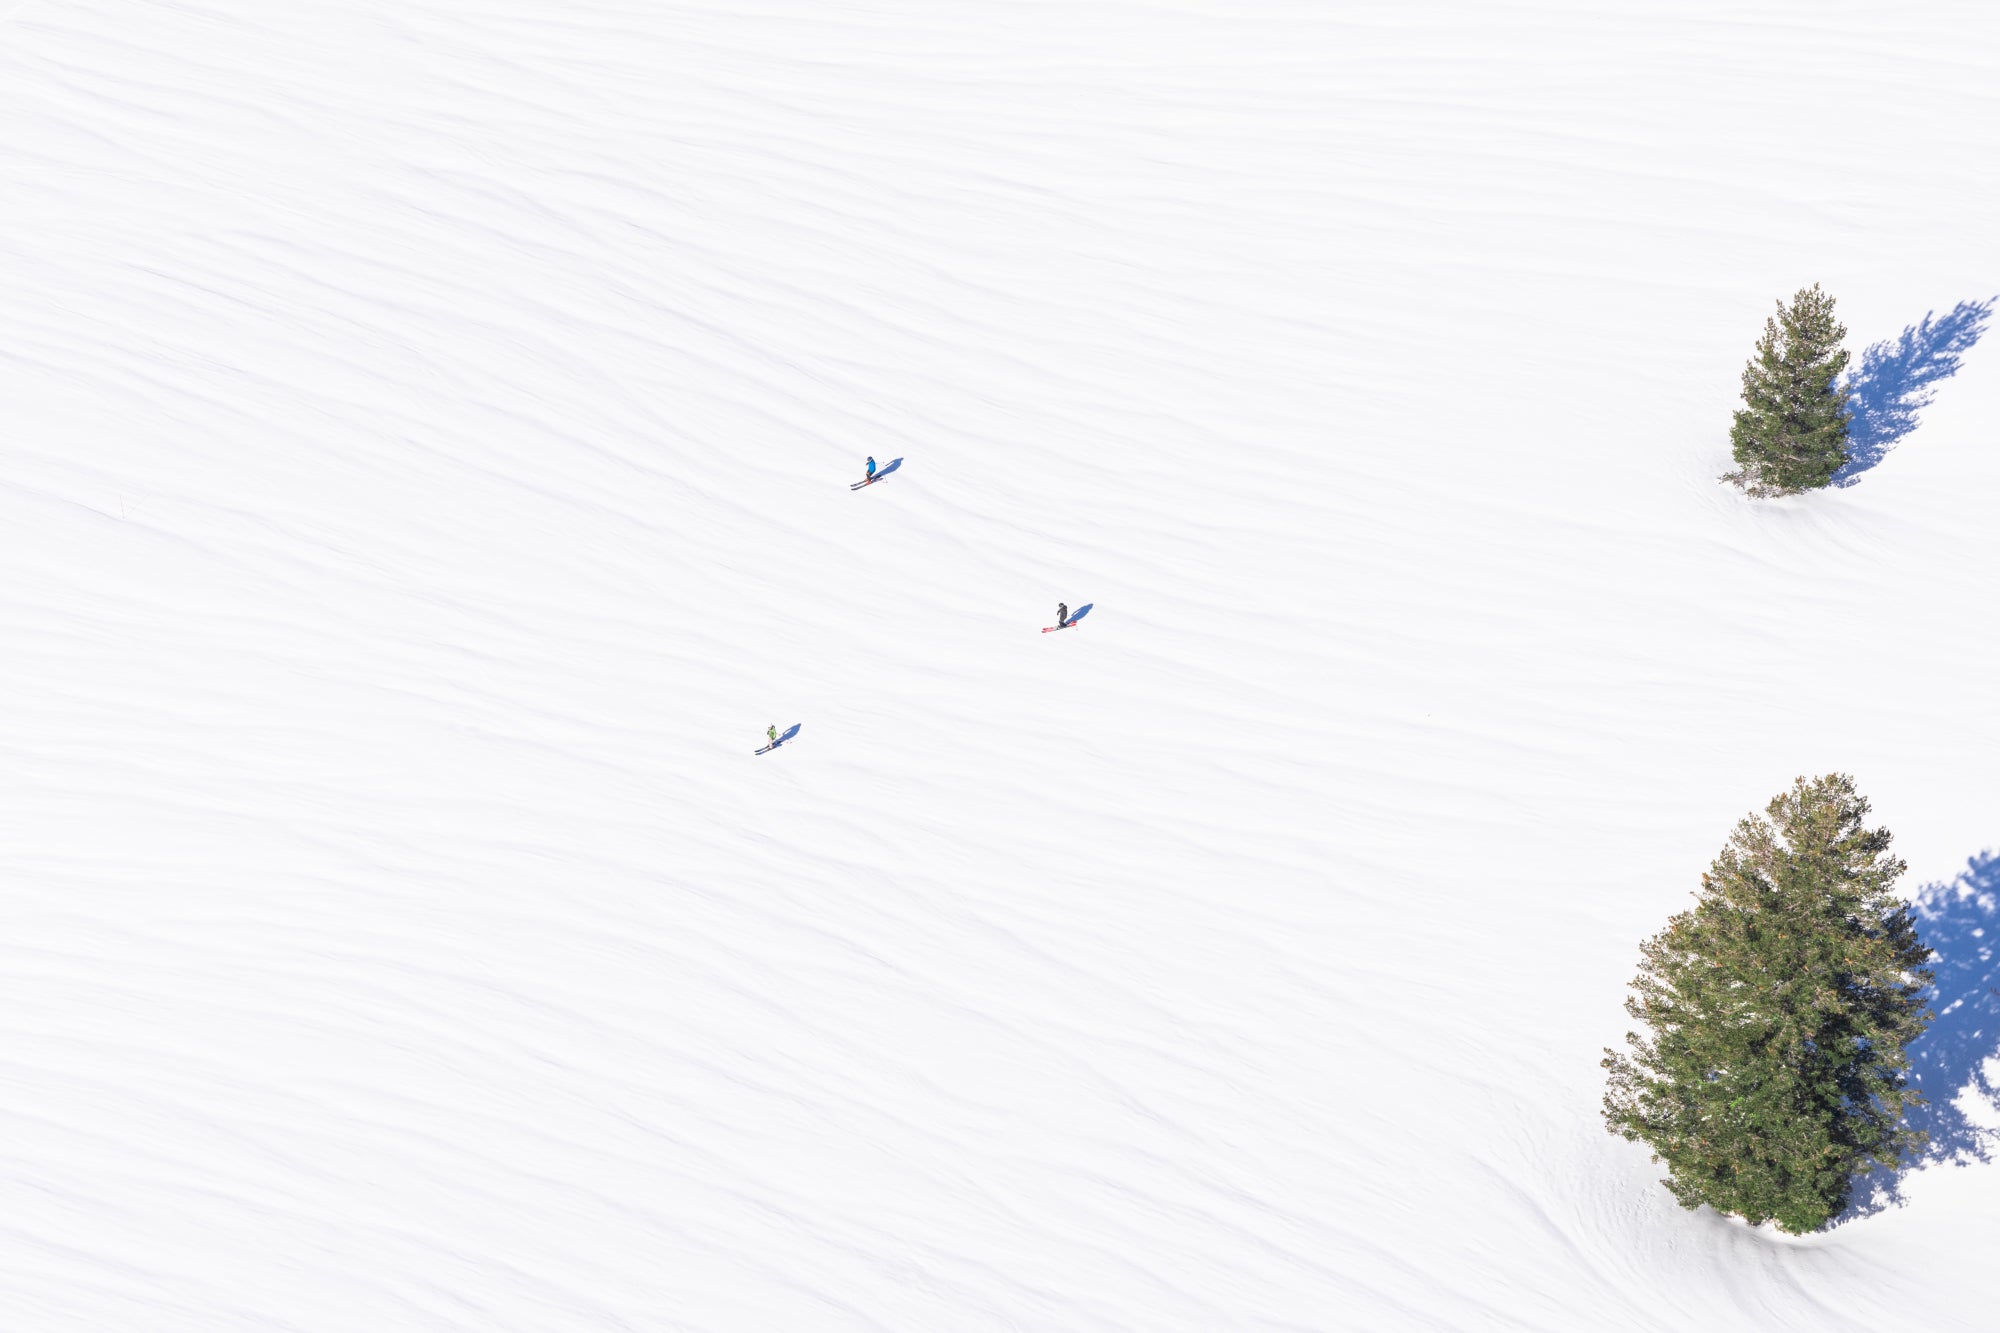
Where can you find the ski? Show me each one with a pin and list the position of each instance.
(1051, 629)
(859, 484)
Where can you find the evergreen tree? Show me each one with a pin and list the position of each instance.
(1791, 435)
(1778, 1010)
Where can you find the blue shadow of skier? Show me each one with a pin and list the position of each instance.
(787, 735)
(1080, 612)
(887, 468)
(1960, 920)
(1897, 378)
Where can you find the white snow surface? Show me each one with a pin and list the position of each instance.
(427, 435)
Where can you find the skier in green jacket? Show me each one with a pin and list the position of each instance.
(773, 733)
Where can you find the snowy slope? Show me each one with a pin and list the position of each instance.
(427, 429)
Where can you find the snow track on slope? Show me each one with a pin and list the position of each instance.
(424, 481)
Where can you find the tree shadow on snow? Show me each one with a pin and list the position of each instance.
(1899, 377)
(1949, 1064)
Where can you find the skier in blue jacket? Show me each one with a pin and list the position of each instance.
(871, 467)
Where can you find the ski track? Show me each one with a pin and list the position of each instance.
(425, 477)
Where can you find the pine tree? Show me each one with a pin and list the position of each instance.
(1791, 435)
(1778, 1010)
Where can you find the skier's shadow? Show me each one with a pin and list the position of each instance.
(885, 470)
(1898, 377)
(1960, 920)
(786, 735)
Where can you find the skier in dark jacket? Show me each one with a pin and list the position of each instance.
(1062, 614)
